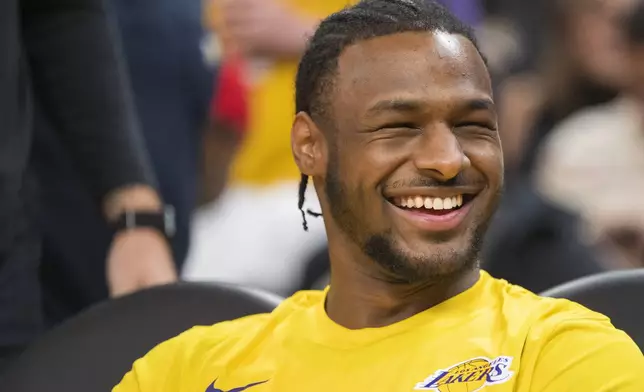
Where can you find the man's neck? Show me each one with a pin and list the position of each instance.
(359, 299)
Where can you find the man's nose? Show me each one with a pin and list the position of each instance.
(439, 153)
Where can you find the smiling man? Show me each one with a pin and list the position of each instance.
(396, 126)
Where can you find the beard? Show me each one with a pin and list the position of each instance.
(400, 266)
(405, 267)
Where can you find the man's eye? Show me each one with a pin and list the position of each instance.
(481, 125)
(400, 125)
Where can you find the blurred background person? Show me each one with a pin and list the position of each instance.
(593, 162)
(172, 85)
(60, 62)
(252, 234)
(578, 64)
(571, 58)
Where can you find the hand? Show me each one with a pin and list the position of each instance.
(138, 259)
(264, 27)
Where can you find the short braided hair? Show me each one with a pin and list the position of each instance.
(367, 19)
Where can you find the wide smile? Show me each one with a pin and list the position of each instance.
(433, 210)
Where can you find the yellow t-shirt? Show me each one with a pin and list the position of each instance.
(494, 336)
(265, 156)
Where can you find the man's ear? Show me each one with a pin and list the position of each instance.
(309, 145)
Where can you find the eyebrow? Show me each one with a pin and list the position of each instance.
(413, 105)
(396, 105)
(479, 104)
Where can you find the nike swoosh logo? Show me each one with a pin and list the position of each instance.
(212, 388)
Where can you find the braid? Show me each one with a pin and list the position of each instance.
(300, 201)
(304, 180)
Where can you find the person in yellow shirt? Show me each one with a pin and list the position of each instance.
(397, 128)
(270, 36)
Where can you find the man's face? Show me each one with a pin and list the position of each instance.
(414, 166)
(596, 42)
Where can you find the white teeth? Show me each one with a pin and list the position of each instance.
(430, 203)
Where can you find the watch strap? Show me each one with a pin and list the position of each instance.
(163, 221)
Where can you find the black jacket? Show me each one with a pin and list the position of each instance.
(60, 53)
(172, 86)
(59, 56)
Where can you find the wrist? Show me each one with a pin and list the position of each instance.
(136, 198)
(162, 222)
(138, 233)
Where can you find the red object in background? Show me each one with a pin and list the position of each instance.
(230, 101)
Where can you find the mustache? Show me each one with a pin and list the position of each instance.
(461, 180)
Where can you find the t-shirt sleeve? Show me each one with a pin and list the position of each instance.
(179, 364)
(588, 355)
(161, 369)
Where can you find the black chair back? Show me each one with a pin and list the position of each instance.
(616, 294)
(94, 350)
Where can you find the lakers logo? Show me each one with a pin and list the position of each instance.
(469, 376)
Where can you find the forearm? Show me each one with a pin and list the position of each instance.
(80, 84)
(265, 29)
(291, 42)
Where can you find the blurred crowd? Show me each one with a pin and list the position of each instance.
(212, 82)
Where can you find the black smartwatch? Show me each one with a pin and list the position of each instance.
(162, 221)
